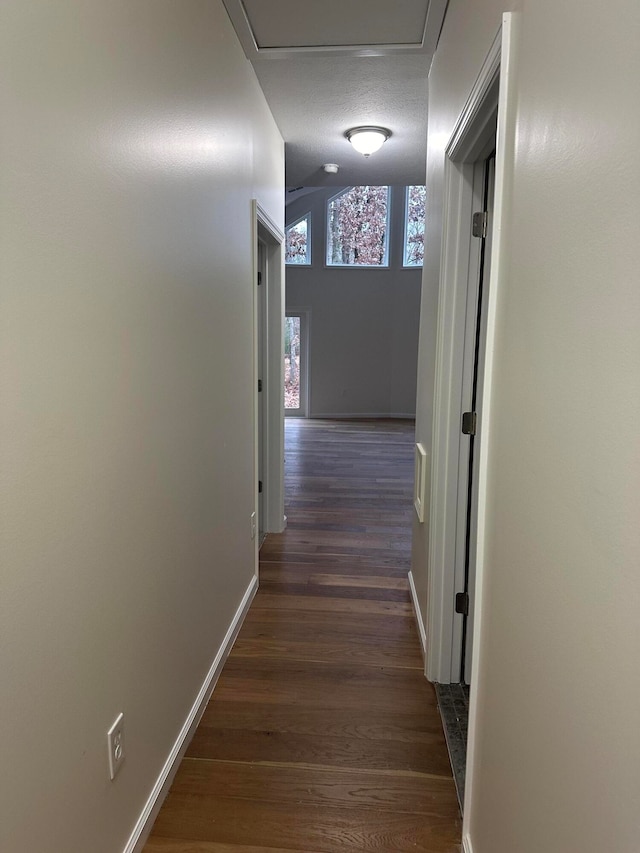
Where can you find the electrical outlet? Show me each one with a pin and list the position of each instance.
(115, 745)
(253, 525)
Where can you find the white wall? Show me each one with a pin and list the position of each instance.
(363, 344)
(558, 752)
(135, 136)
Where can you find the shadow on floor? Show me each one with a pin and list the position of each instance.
(453, 702)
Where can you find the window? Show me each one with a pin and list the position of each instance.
(296, 362)
(298, 242)
(414, 226)
(357, 227)
(292, 362)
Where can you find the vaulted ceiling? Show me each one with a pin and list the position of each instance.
(328, 66)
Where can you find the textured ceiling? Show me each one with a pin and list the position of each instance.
(318, 86)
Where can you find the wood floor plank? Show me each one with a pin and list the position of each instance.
(322, 751)
(329, 636)
(290, 571)
(360, 592)
(322, 734)
(321, 561)
(324, 685)
(179, 845)
(303, 827)
(363, 582)
(401, 793)
(299, 603)
(366, 625)
(374, 725)
(405, 657)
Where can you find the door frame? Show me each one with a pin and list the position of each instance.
(494, 87)
(492, 93)
(461, 444)
(471, 136)
(271, 443)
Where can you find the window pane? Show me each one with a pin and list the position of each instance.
(414, 227)
(292, 363)
(357, 226)
(297, 245)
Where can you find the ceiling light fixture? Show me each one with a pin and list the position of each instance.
(366, 140)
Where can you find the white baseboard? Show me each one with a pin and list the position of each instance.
(160, 790)
(354, 416)
(466, 844)
(416, 608)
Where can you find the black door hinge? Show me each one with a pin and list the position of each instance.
(469, 423)
(259, 279)
(462, 603)
(479, 227)
(259, 384)
(259, 486)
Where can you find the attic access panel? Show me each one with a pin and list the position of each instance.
(275, 28)
(307, 23)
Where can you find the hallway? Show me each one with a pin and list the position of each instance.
(322, 734)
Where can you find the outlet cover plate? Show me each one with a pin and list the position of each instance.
(115, 745)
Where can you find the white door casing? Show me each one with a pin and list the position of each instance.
(472, 140)
(269, 428)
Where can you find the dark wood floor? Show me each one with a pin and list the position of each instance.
(322, 734)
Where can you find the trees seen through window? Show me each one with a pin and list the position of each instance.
(414, 226)
(298, 242)
(358, 226)
(358, 229)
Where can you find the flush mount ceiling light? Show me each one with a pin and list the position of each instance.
(366, 140)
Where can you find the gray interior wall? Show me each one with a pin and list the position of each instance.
(135, 136)
(363, 322)
(558, 753)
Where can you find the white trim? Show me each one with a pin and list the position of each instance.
(472, 133)
(463, 138)
(273, 421)
(420, 481)
(507, 113)
(354, 416)
(466, 844)
(265, 220)
(160, 790)
(419, 620)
